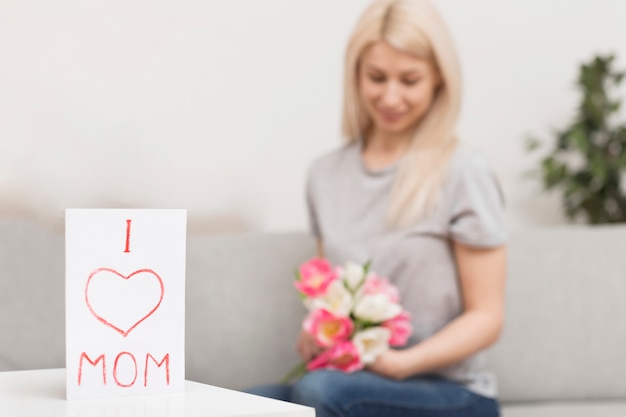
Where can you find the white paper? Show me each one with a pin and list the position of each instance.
(125, 302)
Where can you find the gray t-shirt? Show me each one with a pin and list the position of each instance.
(347, 207)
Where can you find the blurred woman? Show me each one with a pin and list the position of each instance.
(424, 208)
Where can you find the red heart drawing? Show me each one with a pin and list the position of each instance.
(140, 316)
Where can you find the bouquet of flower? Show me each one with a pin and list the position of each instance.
(354, 315)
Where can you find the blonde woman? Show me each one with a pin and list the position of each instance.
(406, 194)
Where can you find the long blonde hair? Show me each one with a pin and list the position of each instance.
(412, 26)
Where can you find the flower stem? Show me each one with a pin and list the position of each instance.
(295, 373)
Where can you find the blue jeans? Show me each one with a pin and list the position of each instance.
(365, 394)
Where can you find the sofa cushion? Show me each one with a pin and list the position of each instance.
(243, 312)
(564, 336)
(32, 296)
(573, 409)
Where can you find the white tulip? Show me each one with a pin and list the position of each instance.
(337, 299)
(376, 308)
(353, 275)
(372, 342)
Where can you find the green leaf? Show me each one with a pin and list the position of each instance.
(366, 267)
(531, 144)
(571, 190)
(578, 137)
(553, 172)
(598, 169)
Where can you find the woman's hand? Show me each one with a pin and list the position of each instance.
(307, 348)
(391, 364)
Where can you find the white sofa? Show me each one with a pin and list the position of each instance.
(563, 353)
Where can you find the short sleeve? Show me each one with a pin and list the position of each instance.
(477, 205)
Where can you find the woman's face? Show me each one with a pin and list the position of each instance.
(396, 88)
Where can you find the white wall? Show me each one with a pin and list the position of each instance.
(219, 106)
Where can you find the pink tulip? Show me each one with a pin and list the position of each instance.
(327, 328)
(377, 285)
(343, 357)
(315, 277)
(400, 327)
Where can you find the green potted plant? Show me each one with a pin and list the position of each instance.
(586, 162)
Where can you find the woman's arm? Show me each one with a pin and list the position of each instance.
(482, 275)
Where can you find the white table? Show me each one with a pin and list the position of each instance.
(42, 393)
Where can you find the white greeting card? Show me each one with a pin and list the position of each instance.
(125, 302)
